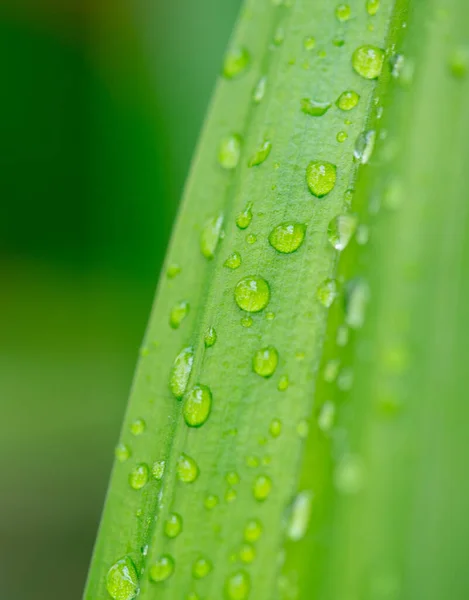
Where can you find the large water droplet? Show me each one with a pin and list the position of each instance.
(262, 487)
(265, 361)
(314, 109)
(138, 477)
(341, 230)
(181, 372)
(364, 146)
(321, 177)
(173, 525)
(259, 90)
(244, 218)
(287, 237)
(368, 61)
(210, 337)
(187, 469)
(201, 568)
(238, 586)
(122, 580)
(178, 313)
(300, 516)
(253, 530)
(162, 569)
(233, 261)
(348, 100)
(252, 294)
(236, 62)
(327, 292)
(357, 295)
(197, 405)
(261, 155)
(210, 236)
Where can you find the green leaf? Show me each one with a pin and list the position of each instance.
(314, 453)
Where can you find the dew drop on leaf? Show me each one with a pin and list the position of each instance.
(173, 271)
(265, 361)
(309, 42)
(262, 487)
(349, 475)
(259, 90)
(230, 495)
(247, 553)
(341, 230)
(261, 155)
(210, 236)
(162, 569)
(342, 136)
(326, 417)
(157, 469)
(201, 568)
(122, 452)
(283, 383)
(252, 294)
(368, 61)
(348, 100)
(287, 237)
(122, 580)
(173, 525)
(244, 218)
(197, 405)
(252, 531)
(229, 152)
(233, 261)
(187, 469)
(138, 427)
(300, 516)
(246, 322)
(327, 292)
(313, 108)
(302, 429)
(138, 477)
(181, 372)
(178, 313)
(236, 62)
(357, 295)
(321, 177)
(232, 478)
(364, 147)
(343, 12)
(275, 428)
(210, 337)
(372, 7)
(238, 586)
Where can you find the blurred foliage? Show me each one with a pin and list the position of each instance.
(100, 109)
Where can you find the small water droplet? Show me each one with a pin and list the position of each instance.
(262, 487)
(331, 370)
(157, 469)
(238, 586)
(162, 569)
(230, 495)
(261, 155)
(259, 90)
(244, 218)
(368, 61)
(252, 294)
(275, 428)
(122, 580)
(233, 261)
(197, 405)
(326, 416)
(357, 295)
(252, 462)
(201, 568)
(178, 313)
(253, 530)
(372, 7)
(309, 42)
(251, 238)
(459, 63)
(247, 553)
(397, 62)
(364, 147)
(279, 36)
(363, 235)
(236, 62)
(342, 336)
(210, 337)
(283, 383)
(341, 230)
(265, 361)
(300, 516)
(327, 292)
(173, 271)
(345, 380)
(122, 452)
(349, 476)
(313, 108)
(343, 12)
(338, 42)
(232, 478)
(187, 469)
(138, 477)
(138, 427)
(173, 525)
(246, 322)
(287, 237)
(181, 372)
(211, 501)
(321, 177)
(342, 137)
(302, 429)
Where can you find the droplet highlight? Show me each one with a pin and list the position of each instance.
(181, 372)
(313, 108)
(122, 580)
(287, 237)
(341, 230)
(348, 100)
(265, 361)
(138, 477)
(368, 61)
(321, 177)
(178, 313)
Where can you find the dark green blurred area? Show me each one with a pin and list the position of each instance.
(100, 109)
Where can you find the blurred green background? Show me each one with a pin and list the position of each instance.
(101, 105)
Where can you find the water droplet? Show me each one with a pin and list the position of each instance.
(187, 469)
(357, 295)
(342, 136)
(211, 501)
(321, 177)
(279, 36)
(230, 495)
(232, 478)
(364, 146)
(252, 294)
(309, 42)
(265, 361)
(197, 405)
(238, 586)
(157, 469)
(363, 235)
(162, 569)
(331, 370)
(261, 155)
(178, 313)
(338, 42)
(246, 322)
(236, 62)
(252, 531)
(138, 477)
(343, 12)
(372, 6)
(233, 261)
(173, 271)
(173, 525)
(229, 151)
(300, 516)
(138, 427)
(210, 337)
(181, 372)
(122, 580)
(252, 462)
(314, 109)
(201, 568)
(349, 476)
(345, 380)
(275, 428)
(262, 487)
(283, 383)
(342, 336)
(341, 230)
(270, 316)
(326, 416)
(122, 452)
(302, 429)
(251, 238)
(259, 90)
(368, 61)
(459, 63)
(244, 219)
(287, 237)
(247, 553)
(327, 292)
